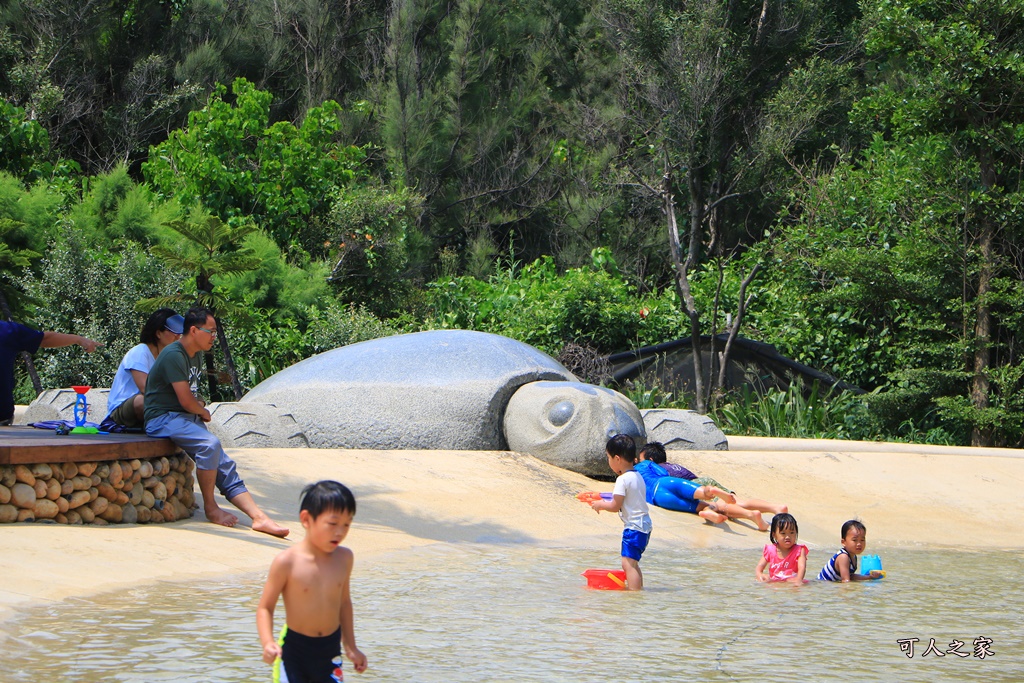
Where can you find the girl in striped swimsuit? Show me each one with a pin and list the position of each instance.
(843, 565)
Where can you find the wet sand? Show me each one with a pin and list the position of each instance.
(906, 495)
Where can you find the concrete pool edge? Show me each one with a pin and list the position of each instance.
(781, 444)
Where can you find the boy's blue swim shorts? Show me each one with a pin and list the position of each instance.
(634, 543)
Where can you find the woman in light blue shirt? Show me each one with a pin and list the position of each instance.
(124, 403)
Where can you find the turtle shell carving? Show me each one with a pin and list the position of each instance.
(446, 389)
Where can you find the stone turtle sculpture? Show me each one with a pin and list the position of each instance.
(455, 390)
(451, 389)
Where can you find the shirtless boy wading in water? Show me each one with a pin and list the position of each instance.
(314, 577)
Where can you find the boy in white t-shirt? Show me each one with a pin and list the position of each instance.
(629, 499)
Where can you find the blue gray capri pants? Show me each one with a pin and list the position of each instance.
(188, 433)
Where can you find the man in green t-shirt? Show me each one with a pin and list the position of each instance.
(174, 410)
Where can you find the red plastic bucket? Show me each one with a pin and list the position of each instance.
(605, 579)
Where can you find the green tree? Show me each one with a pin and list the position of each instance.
(468, 109)
(868, 280)
(97, 74)
(34, 212)
(12, 262)
(375, 246)
(313, 50)
(82, 288)
(721, 98)
(23, 143)
(114, 209)
(211, 249)
(239, 165)
(285, 289)
(592, 307)
(271, 344)
(951, 69)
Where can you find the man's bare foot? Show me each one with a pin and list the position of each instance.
(268, 526)
(761, 524)
(218, 516)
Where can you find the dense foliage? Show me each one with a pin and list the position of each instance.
(592, 306)
(235, 163)
(841, 179)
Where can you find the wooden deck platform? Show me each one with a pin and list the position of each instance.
(27, 445)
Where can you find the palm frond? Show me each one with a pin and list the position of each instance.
(168, 301)
(186, 259)
(193, 232)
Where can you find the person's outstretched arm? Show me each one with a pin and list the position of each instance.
(875, 574)
(55, 340)
(844, 568)
(613, 505)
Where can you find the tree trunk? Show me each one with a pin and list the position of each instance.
(205, 288)
(741, 309)
(983, 312)
(683, 267)
(211, 375)
(714, 387)
(222, 337)
(25, 355)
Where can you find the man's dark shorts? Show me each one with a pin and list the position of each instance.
(125, 416)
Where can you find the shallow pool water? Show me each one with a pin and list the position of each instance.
(470, 613)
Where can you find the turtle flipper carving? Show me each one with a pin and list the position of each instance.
(684, 430)
(255, 425)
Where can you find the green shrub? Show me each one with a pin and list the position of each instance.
(794, 412)
(646, 396)
(114, 209)
(263, 345)
(535, 304)
(370, 237)
(24, 144)
(35, 211)
(286, 289)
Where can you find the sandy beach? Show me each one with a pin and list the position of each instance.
(906, 495)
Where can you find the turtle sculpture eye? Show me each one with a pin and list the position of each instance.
(561, 412)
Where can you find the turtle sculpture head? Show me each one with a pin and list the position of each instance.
(449, 389)
(569, 423)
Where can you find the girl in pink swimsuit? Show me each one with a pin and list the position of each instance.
(784, 558)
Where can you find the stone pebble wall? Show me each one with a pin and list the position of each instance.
(144, 491)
